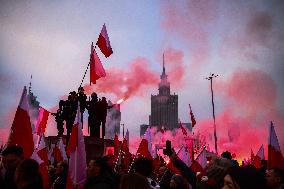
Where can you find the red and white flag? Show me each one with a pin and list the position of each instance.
(143, 149)
(184, 155)
(103, 42)
(59, 153)
(193, 121)
(96, 68)
(76, 150)
(275, 158)
(184, 132)
(201, 158)
(42, 120)
(258, 157)
(21, 130)
(148, 137)
(42, 150)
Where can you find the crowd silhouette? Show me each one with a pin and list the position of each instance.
(220, 173)
(97, 112)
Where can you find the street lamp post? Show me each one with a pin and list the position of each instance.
(210, 78)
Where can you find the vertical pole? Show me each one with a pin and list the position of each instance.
(213, 107)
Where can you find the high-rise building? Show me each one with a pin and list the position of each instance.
(113, 120)
(164, 106)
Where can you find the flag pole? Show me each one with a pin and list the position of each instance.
(87, 66)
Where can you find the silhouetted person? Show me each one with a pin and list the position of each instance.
(82, 98)
(93, 121)
(102, 113)
(27, 175)
(12, 156)
(70, 113)
(59, 120)
(61, 173)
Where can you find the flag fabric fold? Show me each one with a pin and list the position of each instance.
(125, 154)
(104, 43)
(42, 150)
(184, 132)
(275, 158)
(96, 68)
(42, 168)
(201, 158)
(76, 151)
(143, 149)
(21, 130)
(183, 155)
(148, 137)
(258, 157)
(42, 120)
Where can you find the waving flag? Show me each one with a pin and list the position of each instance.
(21, 130)
(184, 132)
(103, 42)
(258, 157)
(76, 150)
(143, 149)
(201, 158)
(184, 155)
(148, 137)
(275, 158)
(96, 68)
(42, 120)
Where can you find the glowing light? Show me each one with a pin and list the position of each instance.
(167, 162)
(120, 101)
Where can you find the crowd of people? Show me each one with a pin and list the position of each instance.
(97, 111)
(221, 172)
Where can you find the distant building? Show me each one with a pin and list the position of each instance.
(188, 126)
(143, 129)
(33, 107)
(164, 106)
(113, 120)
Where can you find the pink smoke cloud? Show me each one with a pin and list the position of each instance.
(243, 125)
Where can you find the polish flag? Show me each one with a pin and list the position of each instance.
(21, 130)
(103, 42)
(96, 68)
(126, 156)
(143, 149)
(42, 120)
(275, 158)
(59, 152)
(201, 158)
(42, 150)
(42, 169)
(184, 132)
(183, 155)
(258, 157)
(76, 150)
(148, 137)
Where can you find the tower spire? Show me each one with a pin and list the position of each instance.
(30, 86)
(164, 70)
